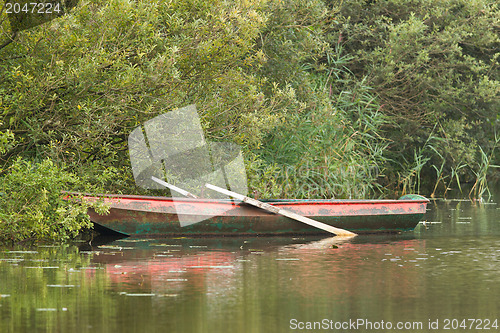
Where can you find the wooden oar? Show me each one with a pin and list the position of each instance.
(174, 188)
(284, 212)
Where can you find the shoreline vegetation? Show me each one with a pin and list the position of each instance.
(328, 99)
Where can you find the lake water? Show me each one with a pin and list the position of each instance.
(443, 277)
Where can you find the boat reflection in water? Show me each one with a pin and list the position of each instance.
(175, 267)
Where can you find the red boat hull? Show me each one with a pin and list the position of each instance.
(158, 216)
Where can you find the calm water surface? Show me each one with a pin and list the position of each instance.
(444, 275)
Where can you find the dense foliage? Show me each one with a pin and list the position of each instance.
(434, 68)
(31, 205)
(327, 99)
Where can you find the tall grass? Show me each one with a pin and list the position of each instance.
(431, 155)
(480, 186)
(334, 149)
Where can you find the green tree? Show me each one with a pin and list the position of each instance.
(429, 62)
(74, 88)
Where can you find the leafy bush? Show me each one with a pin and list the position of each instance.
(32, 205)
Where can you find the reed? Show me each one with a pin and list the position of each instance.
(480, 186)
(334, 150)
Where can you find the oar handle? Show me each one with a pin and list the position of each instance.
(174, 188)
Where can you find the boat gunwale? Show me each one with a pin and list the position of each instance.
(232, 201)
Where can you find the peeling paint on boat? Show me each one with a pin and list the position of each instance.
(156, 216)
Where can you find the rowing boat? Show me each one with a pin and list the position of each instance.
(134, 215)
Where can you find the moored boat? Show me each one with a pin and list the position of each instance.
(159, 216)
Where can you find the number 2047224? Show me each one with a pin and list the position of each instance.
(32, 8)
